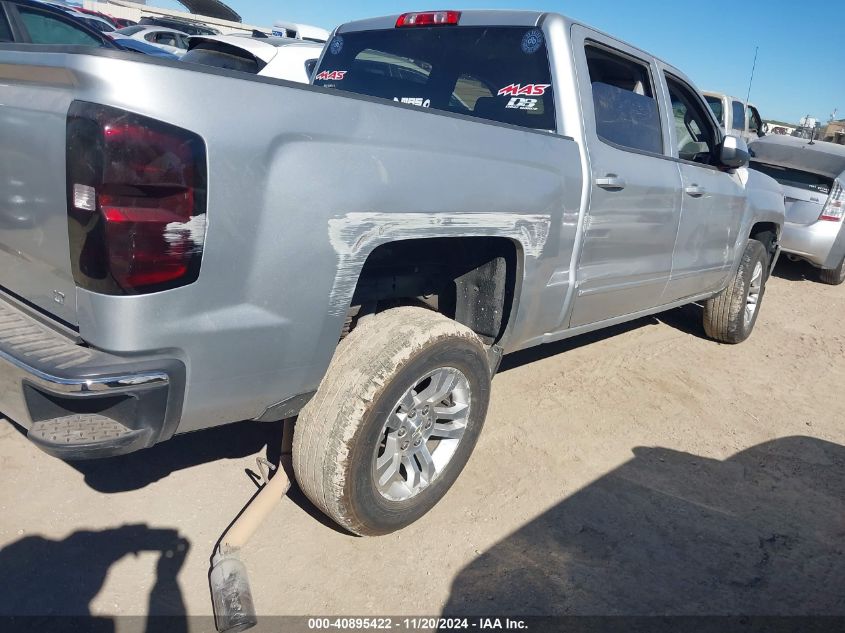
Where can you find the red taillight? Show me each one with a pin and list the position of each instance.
(428, 18)
(136, 196)
(834, 208)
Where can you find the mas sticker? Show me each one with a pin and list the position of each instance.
(532, 90)
(532, 41)
(331, 75)
(337, 45)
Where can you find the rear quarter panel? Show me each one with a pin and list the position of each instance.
(303, 184)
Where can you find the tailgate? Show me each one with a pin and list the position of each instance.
(803, 206)
(34, 251)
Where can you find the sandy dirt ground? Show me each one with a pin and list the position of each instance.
(640, 470)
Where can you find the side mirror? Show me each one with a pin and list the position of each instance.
(764, 130)
(734, 152)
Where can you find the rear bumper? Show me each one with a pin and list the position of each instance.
(821, 243)
(79, 403)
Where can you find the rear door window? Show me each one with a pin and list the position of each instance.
(623, 99)
(496, 73)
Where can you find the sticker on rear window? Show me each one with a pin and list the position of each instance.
(521, 103)
(417, 101)
(337, 45)
(532, 41)
(331, 75)
(533, 90)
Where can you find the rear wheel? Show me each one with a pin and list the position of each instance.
(833, 276)
(394, 420)
(730, 316)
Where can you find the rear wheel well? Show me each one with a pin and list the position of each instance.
(469, 279)
(767, 234)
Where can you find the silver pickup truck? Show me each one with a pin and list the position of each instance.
(183, 246)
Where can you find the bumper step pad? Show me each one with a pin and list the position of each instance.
(83, 436)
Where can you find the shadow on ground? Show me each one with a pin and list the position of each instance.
(137, 470)
(796, 271)
(670, 533)
(686, 319)
(47, 578)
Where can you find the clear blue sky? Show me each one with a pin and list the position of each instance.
(800, 67)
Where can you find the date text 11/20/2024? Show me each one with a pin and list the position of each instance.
(417, 624)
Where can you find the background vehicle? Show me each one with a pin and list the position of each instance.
(279, 57)
(141, 46)
(32, 22)
(735, 118)
(197, 265)
(813, 177)
(95, 22)
(28, 22)
(185, 26)
(174, 42)
(300, 31)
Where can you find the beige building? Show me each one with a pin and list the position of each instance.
(835, 132)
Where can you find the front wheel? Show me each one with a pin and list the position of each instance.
(729, 317)
(394, 420)
(833, 276)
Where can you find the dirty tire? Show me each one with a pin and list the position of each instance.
(338, 432)
(834, 276)
(724, 314)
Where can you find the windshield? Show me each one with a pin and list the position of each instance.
(496, 73)
(715, 104)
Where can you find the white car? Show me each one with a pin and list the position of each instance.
(277, 57)
(170, 40)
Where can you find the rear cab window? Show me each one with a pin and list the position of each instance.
(496, 73)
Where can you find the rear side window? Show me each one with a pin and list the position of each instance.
(623, 100)
(795, 177)
(738, 122)
(715, 104)
(496, 73)
(44, 28)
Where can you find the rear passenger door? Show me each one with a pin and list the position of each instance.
(713, 200)
(626, 256)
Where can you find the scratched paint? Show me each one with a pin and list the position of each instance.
(354, 236)
(192, 231)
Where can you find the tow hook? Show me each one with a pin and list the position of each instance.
(230, 592)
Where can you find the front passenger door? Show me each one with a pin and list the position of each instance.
(713, 200)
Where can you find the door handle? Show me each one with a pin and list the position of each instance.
(695, 191)
(611, 182)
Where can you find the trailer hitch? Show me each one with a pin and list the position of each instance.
(231, 595)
